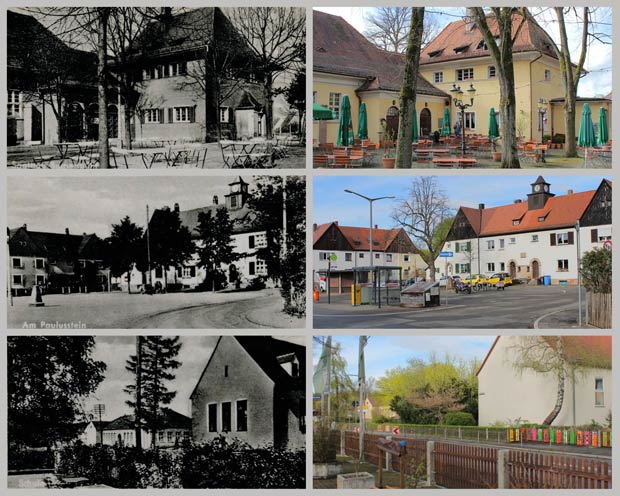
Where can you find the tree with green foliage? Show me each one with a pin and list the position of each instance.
(48, 378)
(216, 246)
(279, 205)
(295, 95)
(125, 247)
(158, 360)
(170, 242)
(596, 270)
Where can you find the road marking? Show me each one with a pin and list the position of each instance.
(544, 316)
(387, 313)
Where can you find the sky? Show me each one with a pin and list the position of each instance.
(115, 350)
(599, 56)
(93, 204)
(383, 353)
(331, 203)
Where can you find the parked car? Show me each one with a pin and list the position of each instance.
(475, 280)
(408, 282)
(500, 276)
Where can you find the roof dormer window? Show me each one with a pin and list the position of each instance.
(435, 53)
(290, 363)
(482, 45)
(461, 49)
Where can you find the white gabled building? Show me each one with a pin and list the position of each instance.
(529, 239)
(351, 247)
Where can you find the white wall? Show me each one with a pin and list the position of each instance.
(505, 395)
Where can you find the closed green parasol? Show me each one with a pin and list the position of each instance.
(362, 123)
(586, 138)
(320, 113)
(603, 130)
(493, 127)
(345, 126)
(445, 125)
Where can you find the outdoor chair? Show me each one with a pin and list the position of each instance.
(529, 154)
(231, 159)
(341, 161)
(320, 161)
(40, 159)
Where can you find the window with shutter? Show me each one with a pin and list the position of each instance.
(192, 114)
(594, 235)
(469, 246)
(571, 238)
(456, 248)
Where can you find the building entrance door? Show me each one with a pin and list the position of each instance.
(535, 269)
(425, 122)
(36, 129)
(391, 121)
(513, 270)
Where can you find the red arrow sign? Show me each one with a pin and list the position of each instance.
(396, 430)
(357, 429)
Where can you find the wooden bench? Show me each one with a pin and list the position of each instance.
(445, 161)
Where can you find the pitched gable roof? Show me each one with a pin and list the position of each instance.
(359, 237)
(340, 49)
(559, 211)
(54, 246)
(457, 42)
(170, 419)
(593, 351)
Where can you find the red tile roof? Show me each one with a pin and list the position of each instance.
(559, 211)
(456, 35)
(359, 237)
(594, 351)
(340, 49)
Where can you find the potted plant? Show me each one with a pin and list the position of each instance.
(388, 148)
(324, 445)
(497, 156)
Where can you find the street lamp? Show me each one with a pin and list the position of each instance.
(457, 95)
(370, 201)
(542, 111)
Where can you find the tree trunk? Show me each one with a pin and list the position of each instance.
(129, 281)
(409, 88)
(570, 142)
(508, 107)
(102, 45)
(559, 400)
(268, 94)
(138, 408)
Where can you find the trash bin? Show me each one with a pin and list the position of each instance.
(547, 280)
(356, 294)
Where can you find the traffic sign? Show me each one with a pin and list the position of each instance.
(357, 429)
(446, 254)
(333, 257)
(316, 397)
(607, 244)
(396, 430)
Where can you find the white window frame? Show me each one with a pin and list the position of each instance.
(348, 257)
(405, 258)
(600, 392)
(388, 257)
(547, 75)
(466, 74)
(261, 267)
(561, 238)
(534, 238)
(491, 72)
(37, 277)
(181, 114)
(21, 280)
(217, 417)
(468, 119)
(20, 265)
(502, 243)
(490, 266)
(334, 103)
(152, 116)
(512, 241)
(563, 265)
(490, 244)
(14, 104)
(438, 77)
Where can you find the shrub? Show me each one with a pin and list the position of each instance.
(596, 270)
(324, 444)
(28, 458)
(459, 418)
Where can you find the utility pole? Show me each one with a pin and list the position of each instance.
(148, 244)
(138, 409)
(578, 269)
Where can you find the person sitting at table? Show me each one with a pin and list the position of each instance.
(436, 136)
(457, 129)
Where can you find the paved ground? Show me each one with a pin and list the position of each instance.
(349, 466)
(37, 481)
(17, 156)
(256, 309)
(516, 307)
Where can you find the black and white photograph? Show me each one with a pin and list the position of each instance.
(156, 87)
(158, 412)
(225, 252)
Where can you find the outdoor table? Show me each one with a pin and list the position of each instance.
(540, 153)
(445, 161)
(160, 143)
(149, 155)
(467, 162)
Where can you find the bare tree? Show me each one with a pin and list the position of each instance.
(572, 73)
(421, 215)
(500, 43)
(409, 88)
(390, 26)
(277, 36)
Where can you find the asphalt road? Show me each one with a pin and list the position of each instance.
(516, 307)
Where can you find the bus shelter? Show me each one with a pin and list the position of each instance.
(377, 285)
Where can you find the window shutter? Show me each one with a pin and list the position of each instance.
(552, 239)
(571, 238)
(192, 271)
(170, 115)
(594, 235)
(192, 114)
(456, 247)
(456, 269)
(469, 246)
(161, 115)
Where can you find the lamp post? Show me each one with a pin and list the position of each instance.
(542, 111)
(370, 202)
(457, 95)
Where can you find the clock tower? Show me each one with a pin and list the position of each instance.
(537, 199)
(238, 194)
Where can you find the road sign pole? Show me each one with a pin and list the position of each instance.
(446, 260)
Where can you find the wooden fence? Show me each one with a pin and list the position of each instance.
(531, 469)
(471, 466)
(465, 466)
(599, 309)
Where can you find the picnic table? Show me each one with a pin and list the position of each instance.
(452, 161)
(84, 148)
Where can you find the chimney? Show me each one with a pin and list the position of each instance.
(569, 192)
(470, 24)
(376, 226)
(314, 227)
(176, 208)
(25, 226)
(518, 201)
(480, 206)
(336, 222)
(216, 200)
(67, 231)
